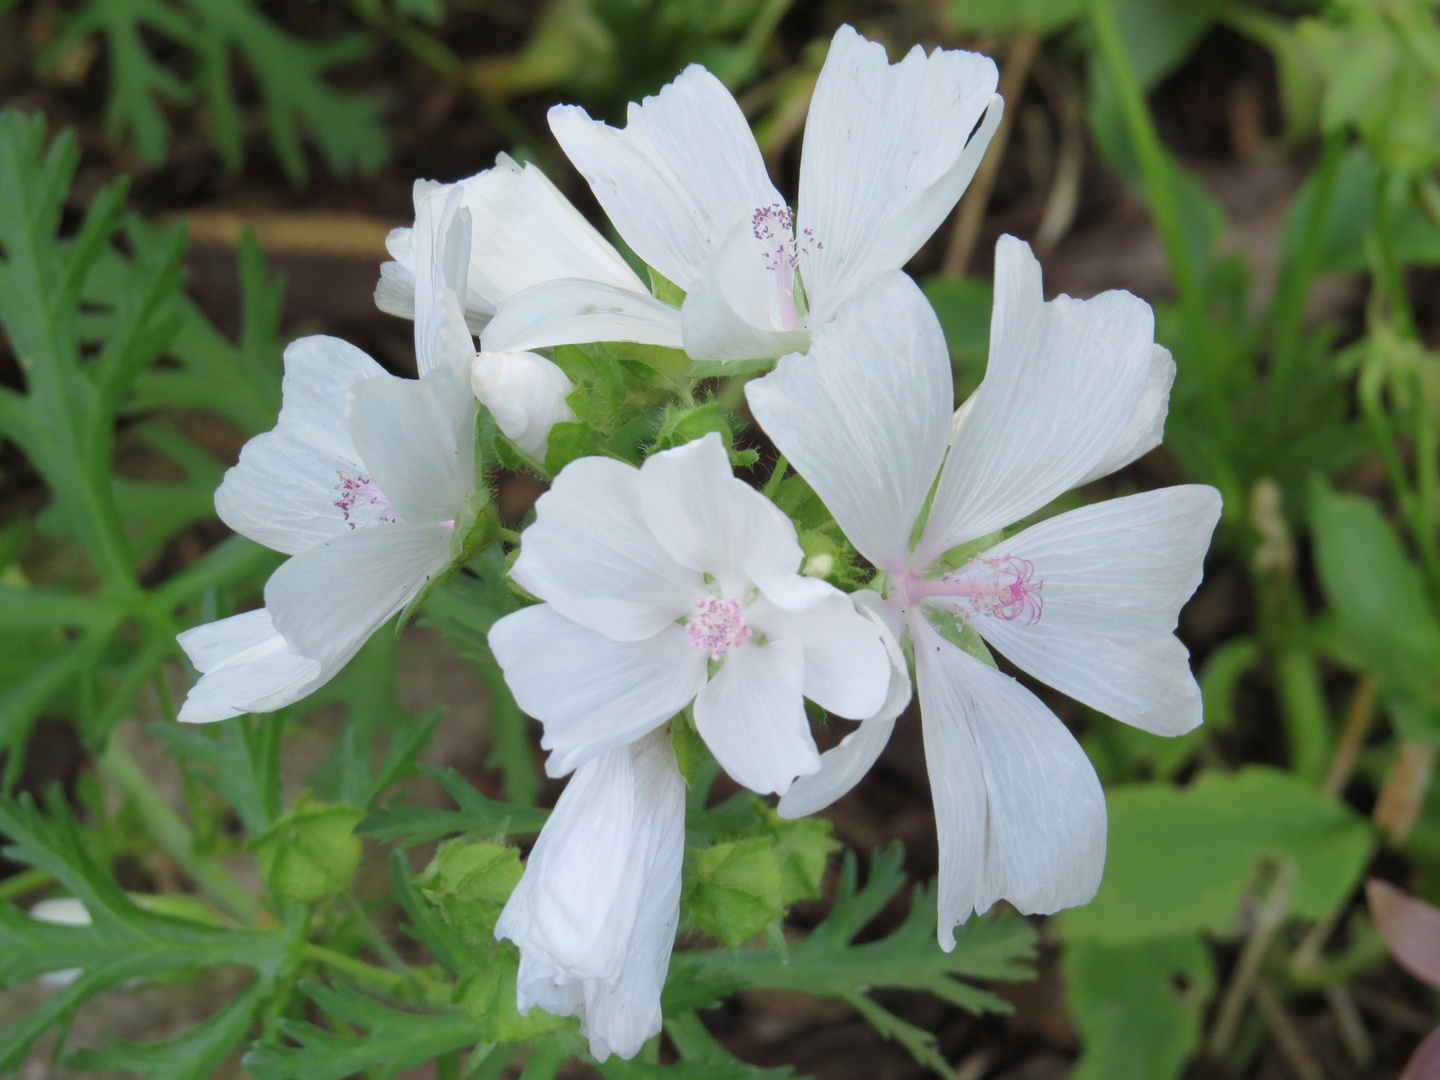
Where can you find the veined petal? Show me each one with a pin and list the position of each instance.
(843, 766)
(865, 416)
(442, 265)
(1115, 576)
(591, 693)
(847, 670)
(1071, 387)
(888, 151)
(595, 913)
(1146, 429)
(1018, 807)
(283, 491)
(710, 521)
(591, 555)
(670, 179)
(752, 716)
(523, 232)
(328, 600)
(742, 306)
(417, 440)
(247, 667)
(525, 393)
(570, 311)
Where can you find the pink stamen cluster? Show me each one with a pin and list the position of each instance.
(1011, 592)
(774, 226)
(716, 626)
(358, 492)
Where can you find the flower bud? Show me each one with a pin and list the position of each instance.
(525, 393)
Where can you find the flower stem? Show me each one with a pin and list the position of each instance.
(356, 969)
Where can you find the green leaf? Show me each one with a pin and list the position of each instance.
(1139, 1007)
(1380, 598)
(310, 854)
(1182, 859)
(1007, 16)
(392, 1041)
(239, 758)
(476, 816)
(734, 890)
(192, 1055)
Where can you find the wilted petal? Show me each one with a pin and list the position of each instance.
(752, 716)
(591, 555)
(1072, 385)
(591, 693)
(525, 393)
(247, 667)
(1112, 578)
(888, 151)
(710, 521)
(569, 311)
(670, 180)
(328, 600)
(283, 492)
(865, 416)
(1018, 808)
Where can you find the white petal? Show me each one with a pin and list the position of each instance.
(591, 693)
(523, 232)
(1067, 392)
(786, 589)
(847, 670)
(710, 521)
(570, 311)
(247, 667)
(1146, 428)
(525, 393)
(282, 493)
(441, 243)
(417, 440)
(865, 416)
(670, 180)
(737, 309)
(595, 913)
(1018, 807)
(327, 601)
(752, 716)
(1115, 577)
(888, 151)
(591, 555)
(843, 766)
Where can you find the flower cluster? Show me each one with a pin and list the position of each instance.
(673, 591)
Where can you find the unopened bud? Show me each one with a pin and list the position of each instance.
(525, 393)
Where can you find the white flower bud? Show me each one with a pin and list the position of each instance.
(525, 393)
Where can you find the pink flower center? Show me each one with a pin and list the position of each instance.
(774, 227)
(1003, 588)
(716, 626)
(362, 502)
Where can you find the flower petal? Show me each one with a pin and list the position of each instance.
(888, 151)
(442, 263)
(865, 416)
(737, 309)
(1018, 807)
(752, 716)
(591, 555)
(847, 669)
(591, 693)
(710, 521)
(1409, 926)
(247, 667)
(843, 766)
(328, 600)
(670, 180)
(417, 440)
(569, 311)
(1071, 386)
(600, 899)
(282, 493)
(1115, 577)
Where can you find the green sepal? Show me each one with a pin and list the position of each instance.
(721, 369)
(468, 883)
(663, 289)
(688, 745)
(734, 890)
(959, 633)
(570, 439)
(680, 426)
(310, 854)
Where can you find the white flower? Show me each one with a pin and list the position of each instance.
(525, 393)
(527, 245)
(61, 911)
(1085, 601)
(595, 913)
(888, 151)
(654, 577)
